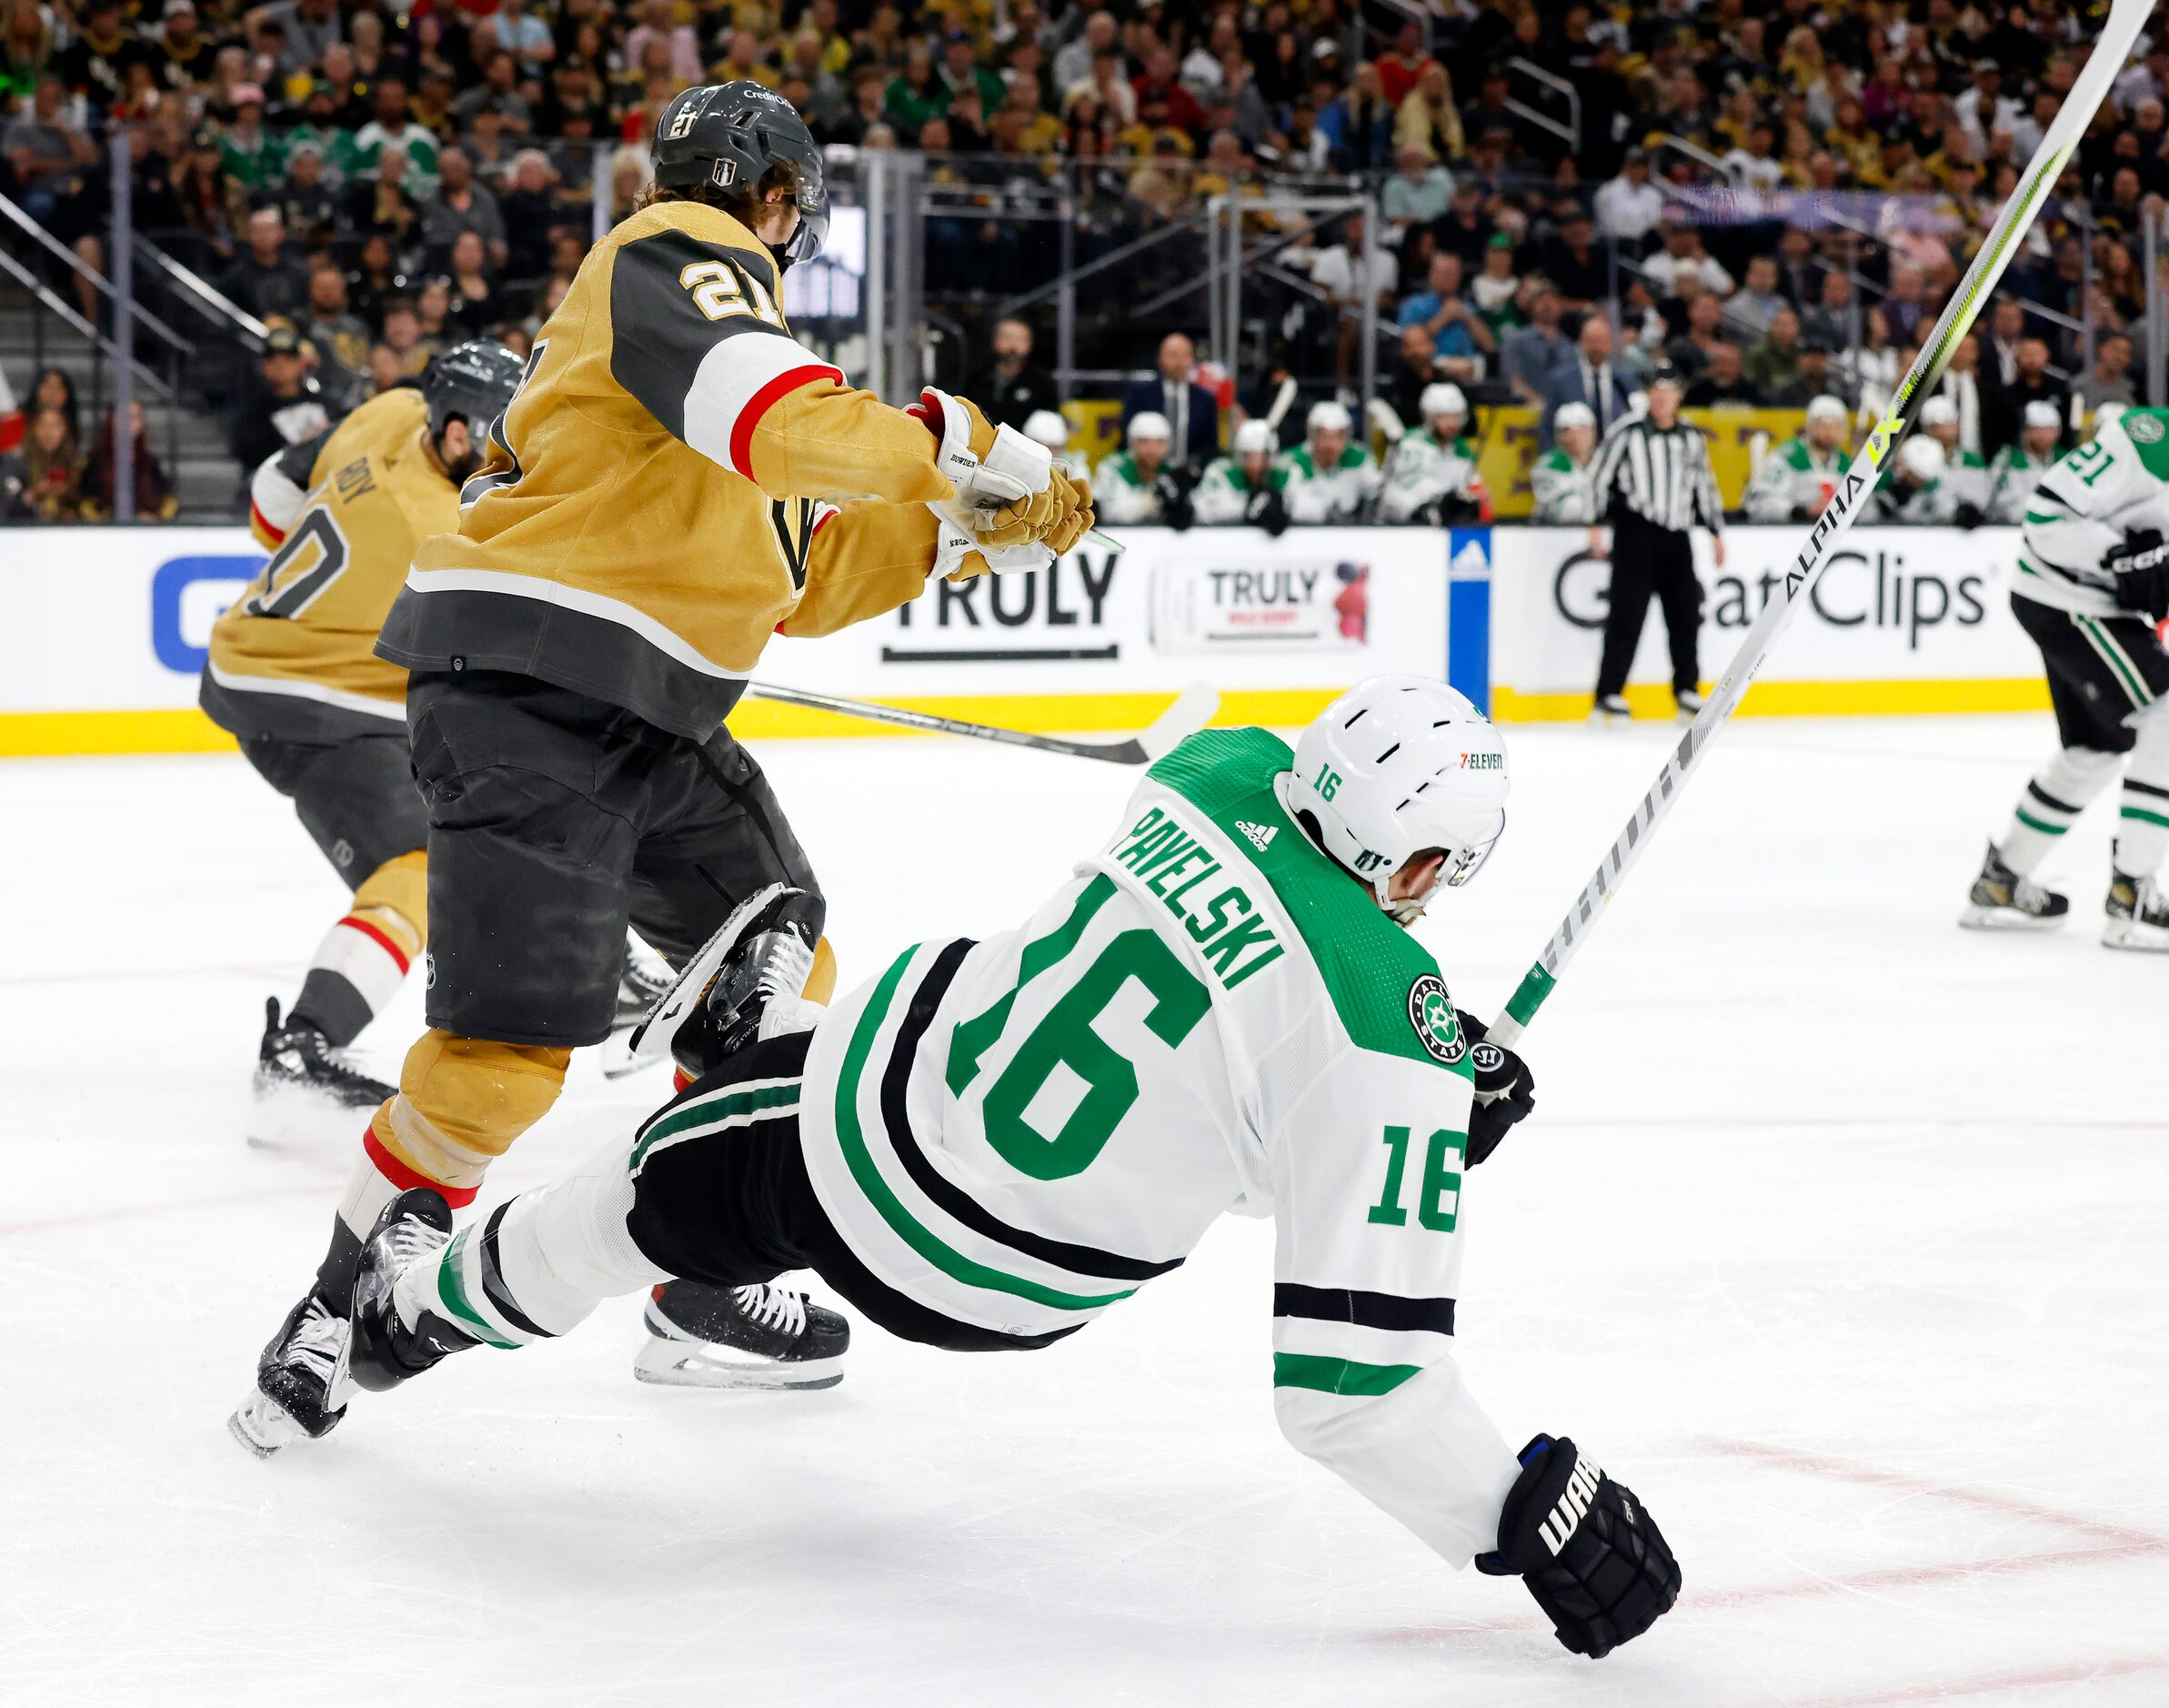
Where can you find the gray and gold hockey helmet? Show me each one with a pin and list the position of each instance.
(733, 135)
(471, 382)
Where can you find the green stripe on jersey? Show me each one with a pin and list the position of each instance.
(1368, 962)
(2031, 822)
(1339, 1375)
(2146, 817)
(2118, 659)
(453, 1294)
(850, 1137)
(732, 1108)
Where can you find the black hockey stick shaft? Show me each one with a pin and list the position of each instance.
(1192, 709)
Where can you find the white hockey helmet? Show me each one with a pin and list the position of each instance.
(1922, 456)
(1939, 412)
(2041, 413)
(1048, 428)
(1150, 424)
(1254, 436)
(1328, 416)
(1827, 408)
(1573, 414)
(1397, 766)
(1442, 398)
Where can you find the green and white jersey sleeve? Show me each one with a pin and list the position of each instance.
(1209, 1016)
(1566, 493)
(1223, 492)
(2084, 507)
(1122, 494)
(2012, 477)
(1791, 480)
(1419, 468)
(1339, 494)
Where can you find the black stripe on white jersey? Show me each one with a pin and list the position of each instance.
(1365, 1310)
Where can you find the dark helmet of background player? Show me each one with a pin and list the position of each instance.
(472, 383)
(743, 140)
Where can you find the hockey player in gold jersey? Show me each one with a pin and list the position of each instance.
(676, 479)
(293, 674)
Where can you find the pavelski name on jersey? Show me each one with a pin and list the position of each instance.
(1226, 923)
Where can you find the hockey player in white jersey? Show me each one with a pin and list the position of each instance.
(1245, 485)
(992, 1142)
(1965, 483)
(1330, 478)
(1797, 478)
(1563, 480)
(1134, 478)
(1431, 474)
(2092, 585)
(2017, 469)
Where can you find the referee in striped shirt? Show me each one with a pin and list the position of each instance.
(1652, 485)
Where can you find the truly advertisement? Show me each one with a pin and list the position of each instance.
(1926, 609)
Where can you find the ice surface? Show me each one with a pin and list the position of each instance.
(1838, 1235)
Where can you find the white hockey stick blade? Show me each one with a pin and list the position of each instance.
(1194, 707)
(2111, 47)
(650, 1041)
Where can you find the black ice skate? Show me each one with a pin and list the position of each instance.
(305, 1087)
(301, 1381)
(1686, 705)
(639, 988)
(2137, 914)
(769, 965)
(739, 1337)
(1611, 708)
(414, 1228)
(2001, 900)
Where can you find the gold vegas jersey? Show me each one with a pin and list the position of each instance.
(669, 485)
(282, 483)
(305, 630)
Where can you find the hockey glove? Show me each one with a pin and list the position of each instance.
(1267, 511)
(1505, 1090)
(1969, 516)
(1076, 517)
(1175, 510)
(1002, 478)
(2141, 566)
(1590, 1552)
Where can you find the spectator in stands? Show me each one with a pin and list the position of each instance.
(392, 130)
(1681, 256)
(1356, 278)
(403, 337)
(380, 201)
(155, 497)
(306, 205)
(1905, 311)
(525, 37)
(1576, 264)
(1723, 385)
(1496, 289)
(339, 335)
(1016, 388)
(1814, 378)
(1960, 383)
(284, 405)
(1191, 411)
(1772, 364)
(1419, 192)
(1629, 206)
(2110, 378)
(2006, 328)
(1073, 61)
(1467, 229)
(1425, 117)
(50, 158)
(54, 390)
(1527, 354)
(1704, 331)
(1405, 65)
(1831, 319)
(1160, 85)
(265, 280)
(1464, 342)
(1589, 376)
(528, 210)
(1358, 125)
(478, 305)
(2003, 410)
(915, 94)
(1755, 304)
(42, 482)
(1415, 371)
(461, 204)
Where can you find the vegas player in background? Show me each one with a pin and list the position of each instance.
(1231, 984)
(293, 675)
(2092, 588)
(672, 483)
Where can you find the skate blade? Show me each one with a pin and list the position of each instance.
(264, 1426)
(2129, 934)
(1979, 918)
(694, 1364)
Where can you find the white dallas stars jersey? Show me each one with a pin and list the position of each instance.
(2085, 506)
(1209, 1017)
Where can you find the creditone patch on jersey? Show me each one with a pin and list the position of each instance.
(1438, 1029)
(2143, 429)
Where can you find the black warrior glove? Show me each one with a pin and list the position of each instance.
(1591, 1555)
(1175, 509)
(2141, 566)
(1268, 510)
(1505, 1090)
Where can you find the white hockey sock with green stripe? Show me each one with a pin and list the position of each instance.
(2052, 803)
(2142, 812)
(535, 1267)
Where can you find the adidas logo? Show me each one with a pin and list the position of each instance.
(1261, 835)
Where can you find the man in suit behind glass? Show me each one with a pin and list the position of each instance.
(1588, 376)
(1193, 412)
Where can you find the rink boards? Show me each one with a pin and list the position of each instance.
(104, 630)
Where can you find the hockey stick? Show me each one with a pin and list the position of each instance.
(1193, 709)
(2110, 49)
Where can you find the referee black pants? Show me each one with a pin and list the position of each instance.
(1647, 559)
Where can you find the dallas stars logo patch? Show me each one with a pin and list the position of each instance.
(1430, 1012)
